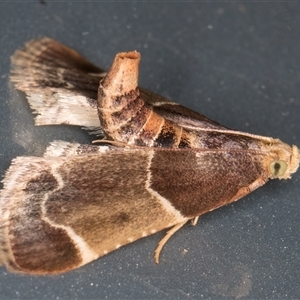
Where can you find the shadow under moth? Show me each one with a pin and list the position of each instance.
(154, 169)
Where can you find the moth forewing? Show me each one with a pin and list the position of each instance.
(86, 216)
(108, 205)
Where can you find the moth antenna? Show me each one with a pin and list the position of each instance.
(165, 239)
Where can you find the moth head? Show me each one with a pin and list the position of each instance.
(286, 162)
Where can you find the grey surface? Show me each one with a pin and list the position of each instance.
(236, 63)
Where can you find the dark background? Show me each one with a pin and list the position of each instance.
(237, 63)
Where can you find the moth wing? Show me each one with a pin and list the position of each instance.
(61, 87)
(179, 114)
(53, 220)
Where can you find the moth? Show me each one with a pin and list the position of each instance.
(154, 169)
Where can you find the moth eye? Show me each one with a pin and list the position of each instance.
(278, 167)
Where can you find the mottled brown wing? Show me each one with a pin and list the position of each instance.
(53, 220)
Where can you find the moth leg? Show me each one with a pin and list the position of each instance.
(165, 239)
(195, 220)
(242, 192)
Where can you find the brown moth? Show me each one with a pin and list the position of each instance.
(156, 170)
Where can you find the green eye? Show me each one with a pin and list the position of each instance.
(278, 167)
